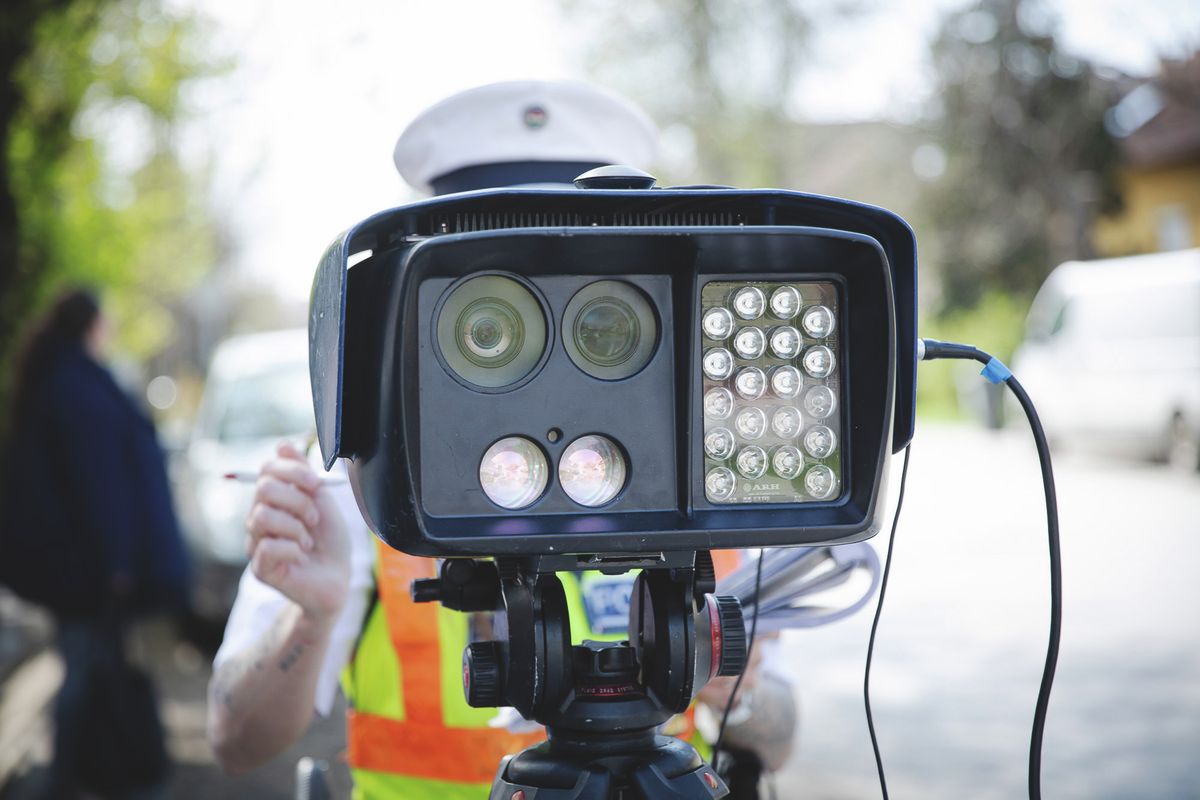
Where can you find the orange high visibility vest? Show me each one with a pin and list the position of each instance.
(422, 745)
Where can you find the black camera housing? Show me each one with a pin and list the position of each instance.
(414, 433)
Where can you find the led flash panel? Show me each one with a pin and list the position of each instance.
(796, 458)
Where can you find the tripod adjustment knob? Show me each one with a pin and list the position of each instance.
(729, 629)
(481, 675)
(426, 590)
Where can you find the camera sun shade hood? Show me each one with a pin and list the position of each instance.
(364, 325)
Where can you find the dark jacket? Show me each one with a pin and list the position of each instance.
(90, 506)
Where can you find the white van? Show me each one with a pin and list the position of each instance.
(1111, 355)
(256, 394)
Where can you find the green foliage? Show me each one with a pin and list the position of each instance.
(1028, 163)
(996, 324)
(102, 195)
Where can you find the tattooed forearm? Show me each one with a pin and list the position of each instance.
(291, 656)
(261, 699)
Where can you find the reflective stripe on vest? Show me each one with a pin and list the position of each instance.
(420, 742)
(410, 732)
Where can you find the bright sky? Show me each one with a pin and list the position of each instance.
(301, 134)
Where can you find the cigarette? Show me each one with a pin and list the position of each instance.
(252, 477)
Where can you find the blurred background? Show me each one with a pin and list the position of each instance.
(192, 158)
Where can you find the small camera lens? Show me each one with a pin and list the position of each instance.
(607, 331)
(610, 330)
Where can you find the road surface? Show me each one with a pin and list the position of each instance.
(960, 646)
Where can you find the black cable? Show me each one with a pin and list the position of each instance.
(935, 349)
(883, 583)
(749, 654)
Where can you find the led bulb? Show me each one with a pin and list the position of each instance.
(785, 342)
(820, 481)
(592, 470)
(513, 472)
(752, 461)
(718, 363)
(818, 361)
(718, 323)
(786, 422)
(818, 322)
(787, 462)
(785, 302)
(750, 342)
(751, 423)
(820, 402)
(820, 441)
(718, 443)
(749, 302)
(750, 383)
(718, 403)
(786, 382)
(719, 484)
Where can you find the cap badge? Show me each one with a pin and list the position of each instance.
(535, 117)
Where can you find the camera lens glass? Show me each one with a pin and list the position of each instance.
(592, 470)
(609, 330)
(606, 331)
(491, 331)
(513, 472)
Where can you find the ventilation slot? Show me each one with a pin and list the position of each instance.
(471, 222)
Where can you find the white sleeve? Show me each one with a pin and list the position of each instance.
(362, 586)
(775, 662)
(258, 606)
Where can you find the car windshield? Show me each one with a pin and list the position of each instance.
(273, 403)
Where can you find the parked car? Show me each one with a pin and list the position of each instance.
(256, 394)
(1112, 355)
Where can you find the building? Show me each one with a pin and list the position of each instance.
(1157, 125)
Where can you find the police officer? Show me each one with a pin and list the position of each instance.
(324, 600)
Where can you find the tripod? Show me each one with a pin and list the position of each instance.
(601, 702)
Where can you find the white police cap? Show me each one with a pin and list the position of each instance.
(522, 132)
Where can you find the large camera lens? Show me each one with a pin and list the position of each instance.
(491, 331)
(609, 330)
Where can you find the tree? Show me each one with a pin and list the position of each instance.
(78, 204)
(717, 77)
(1028, 164)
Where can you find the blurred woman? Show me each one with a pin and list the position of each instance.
(92, 536)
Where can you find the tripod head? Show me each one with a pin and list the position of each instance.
(601, 702)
